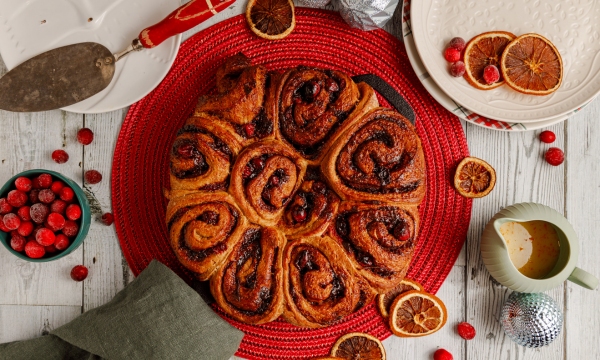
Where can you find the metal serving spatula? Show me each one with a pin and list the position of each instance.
(73, 73)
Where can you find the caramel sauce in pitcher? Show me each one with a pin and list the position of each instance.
(533, 246)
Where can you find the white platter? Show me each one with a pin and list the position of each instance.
(31, 27)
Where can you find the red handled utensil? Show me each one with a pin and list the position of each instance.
(73, 73)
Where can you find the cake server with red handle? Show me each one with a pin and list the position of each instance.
(73, 73)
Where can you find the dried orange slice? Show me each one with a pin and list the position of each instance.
(417, 313)
(483, 50)
(271, 19)
(474, 178)
(355, 346)
(384, 301)
(532, 65)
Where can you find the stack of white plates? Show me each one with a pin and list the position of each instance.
(428, 26)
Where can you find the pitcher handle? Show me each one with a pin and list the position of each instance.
(583, 278)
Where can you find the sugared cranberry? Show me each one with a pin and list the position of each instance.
(55, 222)
(311, 89)
(331, 85)
(185, 150)
(25, 229)
(79, 273)
(46, 196)
(73, 212)
(458, 43)
(108, 218)
(547, 136)
(45, 237)
(92, 177)
(249, 129)
(491, 74)
(452, 55)
(39, 212)
(58, 206)
(5, 207)
(457, 69)
(12, 221)
(35, 230)
(23, 213)
(299, 214)
(247, 172)
(258, 163)
(34, 196)
(34, 250)
(465, 330)
(209, 217)
(319, 187)
(35, 183)
(67, 194)
(2, 226)
(57, 186)
(60, 156)
(555, 156)
(442, 354)
(61, 242)
(274, 180)
(45, 180)
(17, 243)
(70, 229)
(85, 136)
(50, 249)
(401, 232)
(17, 198)
(23, 184)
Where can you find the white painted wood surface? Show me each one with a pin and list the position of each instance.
(37, 298)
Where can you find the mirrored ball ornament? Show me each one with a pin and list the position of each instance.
(531, 320)
(312, 3)
(367, 14)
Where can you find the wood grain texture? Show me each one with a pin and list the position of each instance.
(22, 322)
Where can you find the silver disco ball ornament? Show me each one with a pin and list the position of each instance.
(367, 14)
(312, 3)
(531, 320)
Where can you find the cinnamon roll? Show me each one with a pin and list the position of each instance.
(248, 286)
(379, 240)
(203, 229)
(315, 106)
(312, 208)
(264, 179)
(320, 284)
(378, 158)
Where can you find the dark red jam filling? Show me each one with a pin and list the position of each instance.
(305, 263)
(260, 127)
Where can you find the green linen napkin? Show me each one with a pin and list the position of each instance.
(157, 316)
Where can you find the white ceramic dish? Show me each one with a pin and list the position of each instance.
(28, 28)
(574, 30)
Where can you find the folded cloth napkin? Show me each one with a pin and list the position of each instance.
(157, 316)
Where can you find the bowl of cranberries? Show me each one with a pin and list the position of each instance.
(43, 215)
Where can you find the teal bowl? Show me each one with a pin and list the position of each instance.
(85, 219)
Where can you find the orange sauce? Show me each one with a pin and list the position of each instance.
(533, 247)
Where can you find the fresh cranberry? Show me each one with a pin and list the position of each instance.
(79, 273)
(458, 43)
(5, 207)
(50, 249)
(457, 69)
(442, 354)
(55, 222)
(25, 229)
(73, 212)
(274, 180)
(23, 184)
(34, 250)
(247, 172)
(58, 206)
(46, 196)
(491, 74)
(466, 330)
(319, 187)
(39, 212)
(186, 150)
(92, 177)
(555, 156)
(258, 163)
(249, 128)
(17, 243)
(23, 213)
(70, 229)
(66, 194)
(61, 242)
(85, 136)
(299, 214)
(45, 180)
(2, 226)
(35, 183)
(311, 89)
(57, 186)
(17, 198)
(12, 221)
(401, 232)
(452, 55)
(331, 85)
(35, 230)
(547, 136)
(108, 218)
(60, 156)
(45, 237)
(34, 196)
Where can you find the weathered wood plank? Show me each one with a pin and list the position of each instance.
(21, 322)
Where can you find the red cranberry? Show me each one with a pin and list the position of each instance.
(92, 177)
(17, 198)
(311, 89)
(258, 163)
(249, 128)
(46, 196)
(442, 354)
(50, 249)
(39, 212)
(108, 218)
(58, 206)
(5, 207)
(458, 43)
(55, 222)
(61, 242)
(67, 194)
(401, 232)
(274, 180)
(185, 150)
(34, 250)
(45, 180)
(554, 156)
(45, 237)
(35, 230)
(79, 273)
(35, 183)
(24, 213)
(331, 85)
(547, 136)
(70, 229)
(57, 186)
(491, 74)
(34, 196)
(247, 172)
(319, 187)
(73, 212)
(466, 330)
(60, 156)
(25, 229)
(457, 69)
(12, 221)
(299, 214)
(23, 184)
(17, 243)
(85, 136)
(452, 55)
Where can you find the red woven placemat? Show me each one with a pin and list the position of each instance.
(322, 39)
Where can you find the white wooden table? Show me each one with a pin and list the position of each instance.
(36, 298)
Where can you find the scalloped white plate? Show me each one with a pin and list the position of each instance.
(29, 28)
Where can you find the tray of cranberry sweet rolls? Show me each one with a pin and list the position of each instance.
(296, 195)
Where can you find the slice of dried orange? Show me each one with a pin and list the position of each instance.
(417, 313)
(271, 19)
(474, 178)
(355, 346)
(483, 50)
(384, 301)
(532, 65)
